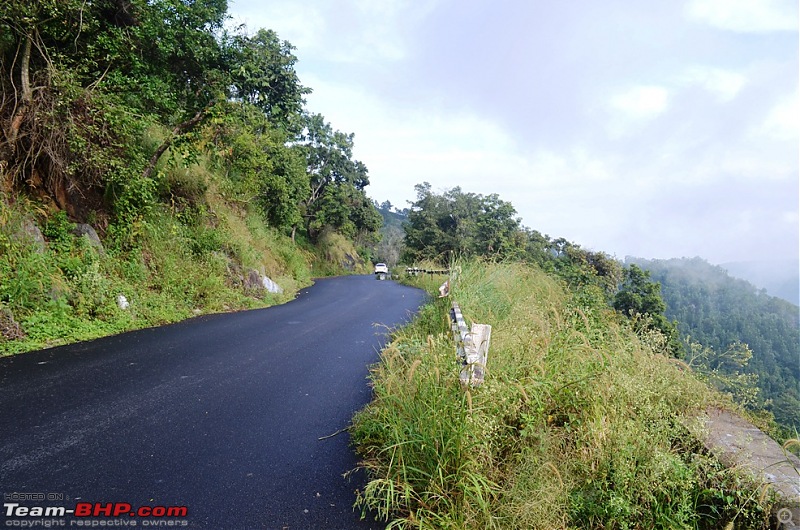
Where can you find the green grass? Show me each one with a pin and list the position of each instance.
(179, 246)
(177, 261)
(580, 423)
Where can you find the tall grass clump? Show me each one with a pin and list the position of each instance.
(581, 423)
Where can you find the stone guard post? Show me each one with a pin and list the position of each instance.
(472, 347)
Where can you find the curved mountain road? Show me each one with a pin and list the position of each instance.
(222, 414)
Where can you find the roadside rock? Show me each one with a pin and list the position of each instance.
(739, 443)
(255, 281)
(29, 231)
(83, 229)
(9, 328)
(349, 262)
(252, 280)
(270, 285)
(235, 274)
(122, 302)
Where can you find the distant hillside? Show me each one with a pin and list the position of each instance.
(780, 278)
(390, 247)
(716, 309)
(392, 217)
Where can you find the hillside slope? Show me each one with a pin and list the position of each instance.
(780, 278)
(390, 248)
(57, 286)
(581, 422)
(156, 164)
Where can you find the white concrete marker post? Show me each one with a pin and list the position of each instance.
(476, 358)
(472, 347)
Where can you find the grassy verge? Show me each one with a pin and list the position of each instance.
(171, 264)
(580, 424)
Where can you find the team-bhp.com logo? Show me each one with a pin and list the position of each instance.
(84, 511)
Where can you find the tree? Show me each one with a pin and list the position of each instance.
(263, 75)
(92, 76)
(336, 195)
(457, 223)
(640, 297)
(255, 155)
(64, 133)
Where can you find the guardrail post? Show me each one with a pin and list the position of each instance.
(476, 358)
(459, 331)
(472, 347)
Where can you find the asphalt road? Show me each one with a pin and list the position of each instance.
(221, 413)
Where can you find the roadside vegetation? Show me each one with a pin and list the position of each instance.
(66, 289)
(585, 420)
(590, 415)
(149, 151)
(743, 343)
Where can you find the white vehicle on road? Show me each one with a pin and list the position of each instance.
(381, 271)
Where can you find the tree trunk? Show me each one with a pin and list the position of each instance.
(27, 95)
(25, 73)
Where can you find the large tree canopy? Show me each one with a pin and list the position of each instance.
(95, 94)
(640, 298)
(455, 223)
(263, 75)
(452, 224)
(337, 182)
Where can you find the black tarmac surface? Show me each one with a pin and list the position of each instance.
(221, 414)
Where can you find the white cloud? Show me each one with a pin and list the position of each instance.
(303, 27)
(790, 218)
(573, 168)
(405, 146)
(641, 102)
(608, 149)
(382, 26)
(725, 84)
(783, 121)
(630, 109)
(354, 31)
(746, 16)
(369, 31)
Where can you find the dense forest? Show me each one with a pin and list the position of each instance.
(718, 311)
(390, 247)
(147, 149)
(454, 224)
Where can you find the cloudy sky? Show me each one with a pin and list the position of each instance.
(654, 129)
